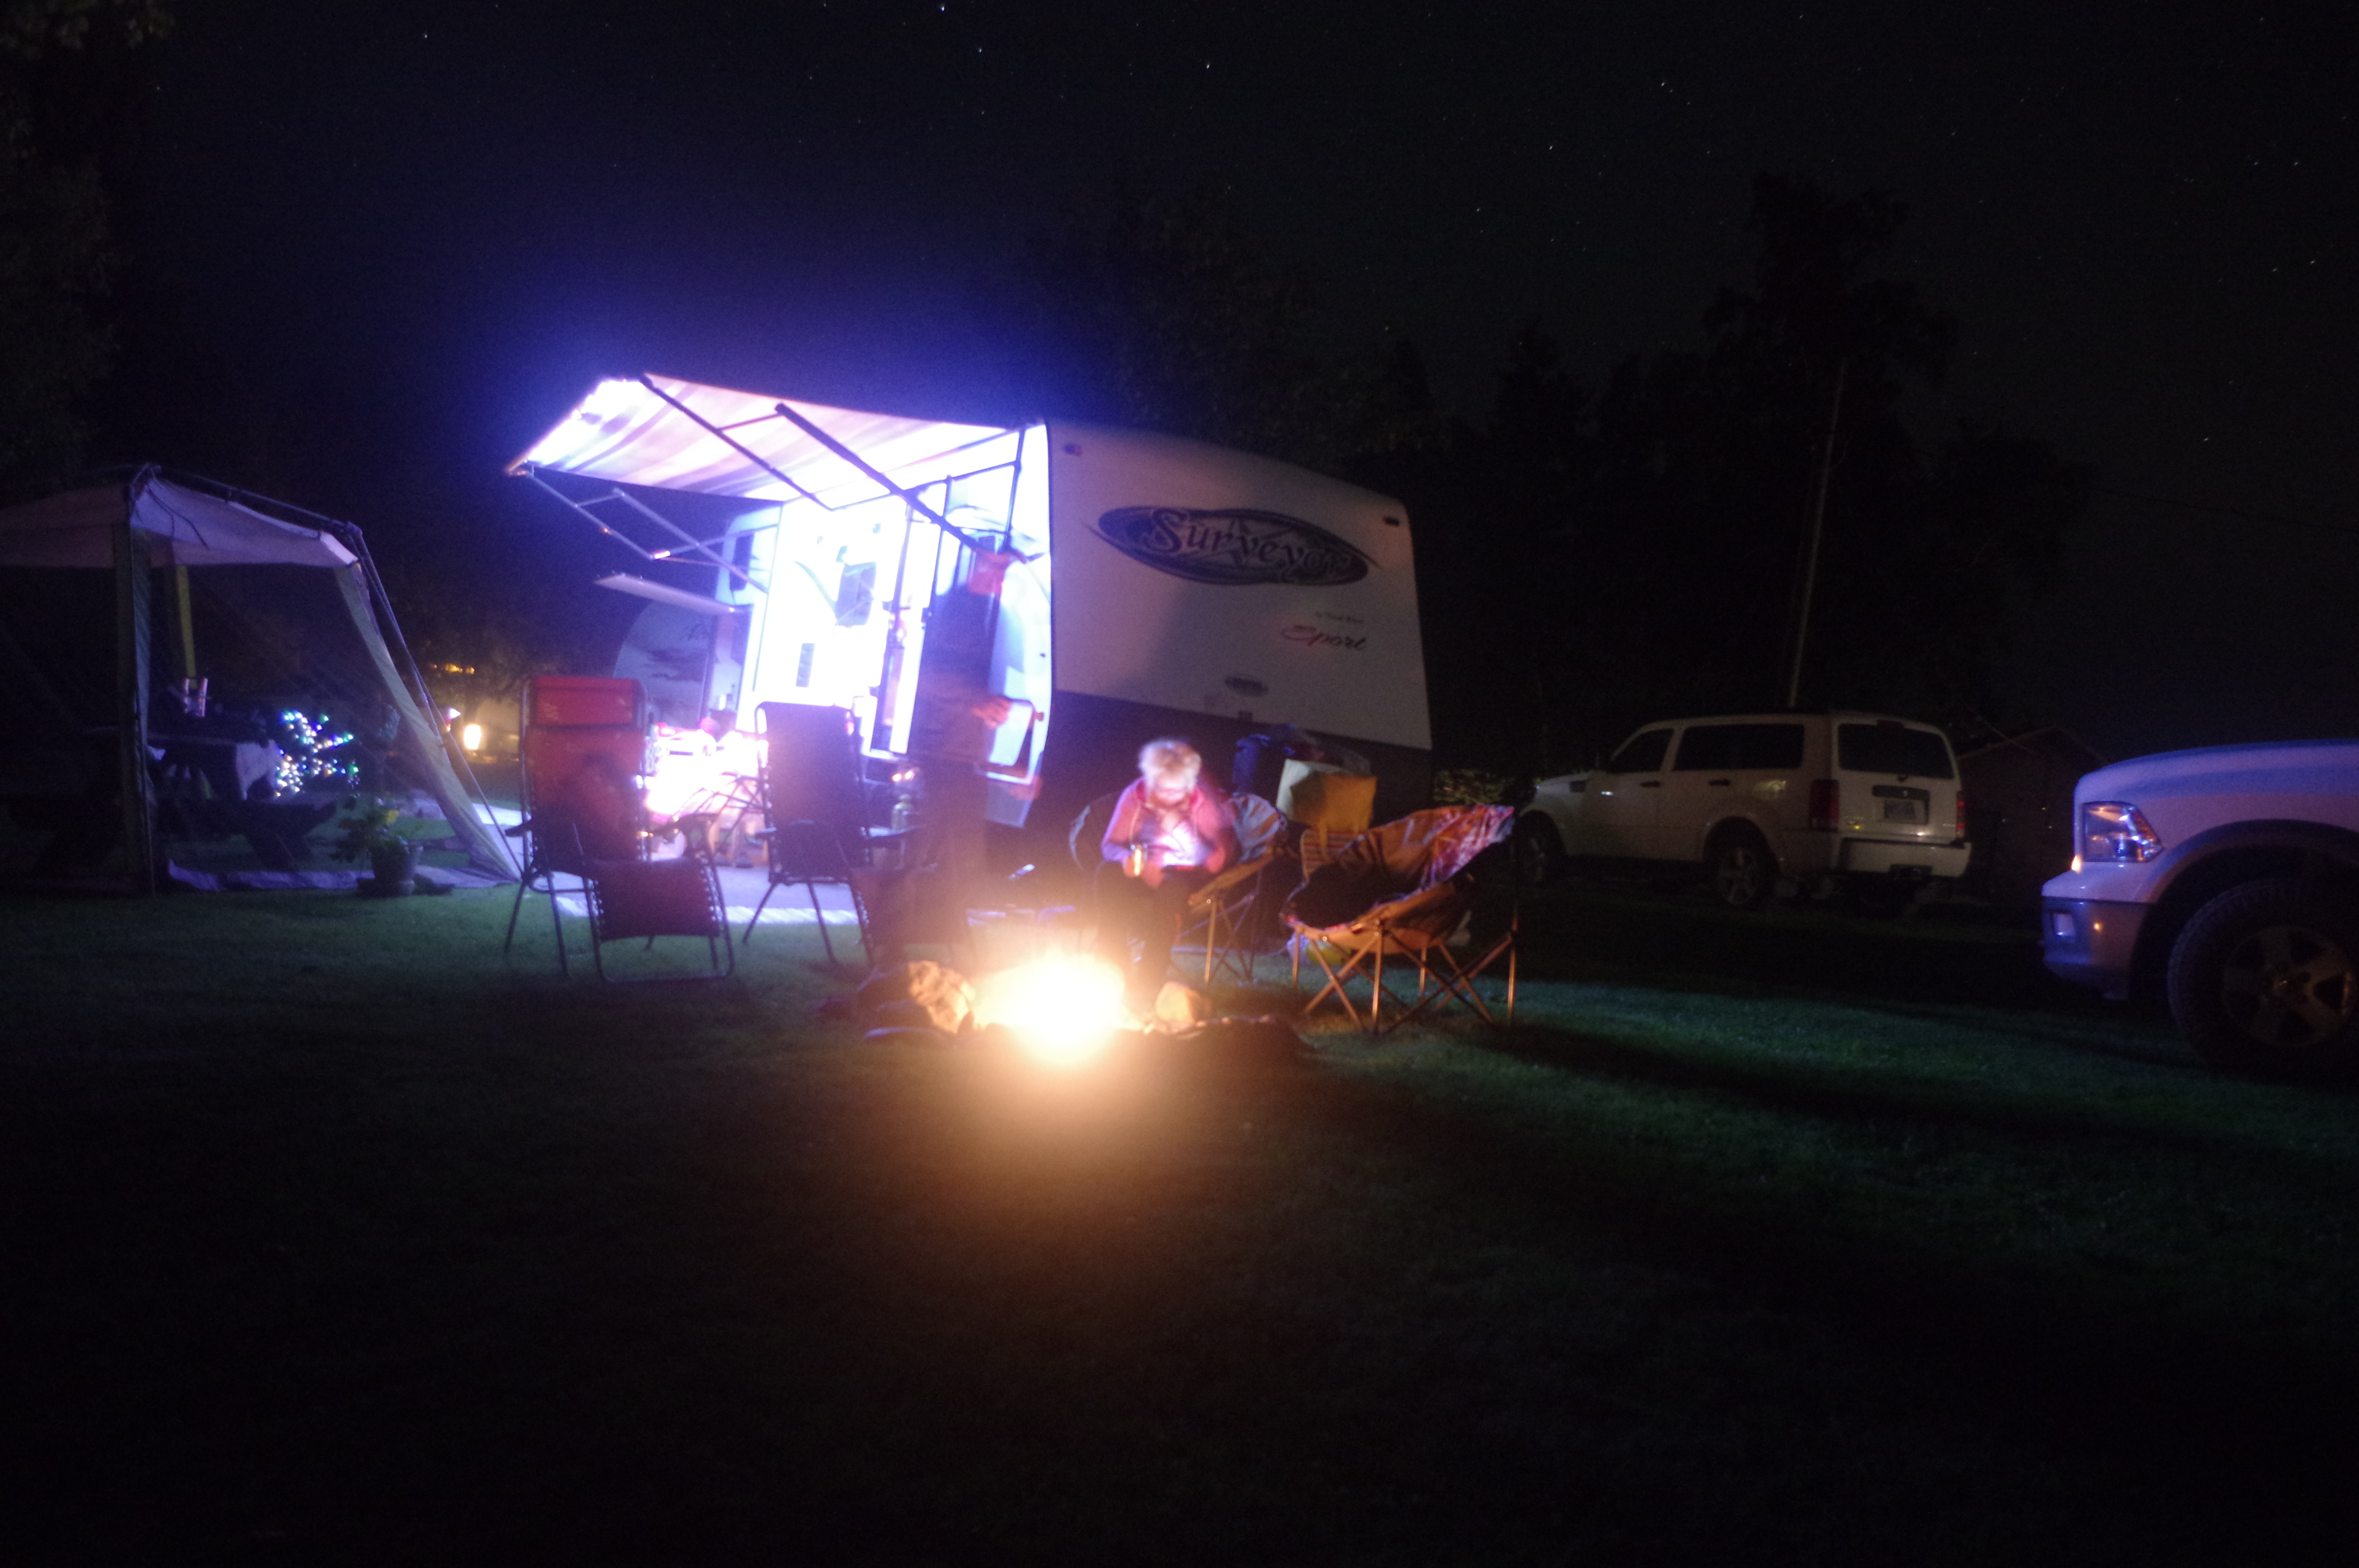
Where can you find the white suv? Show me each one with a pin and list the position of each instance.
(1752, 801)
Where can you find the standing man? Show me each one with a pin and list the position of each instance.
(955, 715)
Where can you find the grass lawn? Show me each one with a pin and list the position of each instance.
(332, 1237)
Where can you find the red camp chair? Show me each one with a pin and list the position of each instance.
(1406, 891)
(584, 746)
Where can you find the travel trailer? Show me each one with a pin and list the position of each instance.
(1164, 586)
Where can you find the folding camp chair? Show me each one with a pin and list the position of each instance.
(584, 745)
(1406, 891)
(818, 814)
(1235, 916)
(632, 899)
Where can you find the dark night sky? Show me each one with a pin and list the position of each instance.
(415, 231)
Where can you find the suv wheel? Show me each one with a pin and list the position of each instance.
(2265, 979)
(1539, 851)
(1743, 874)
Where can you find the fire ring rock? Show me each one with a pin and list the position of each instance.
(941, 997)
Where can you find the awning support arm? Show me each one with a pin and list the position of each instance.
(735, 445)
(699, 547)
(910, 496)
(532, 473)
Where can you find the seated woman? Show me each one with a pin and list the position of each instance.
(1169, 834)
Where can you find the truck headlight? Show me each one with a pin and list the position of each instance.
(2114, 830)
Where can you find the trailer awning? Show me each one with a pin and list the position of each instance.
(677, 435)
(664, 593)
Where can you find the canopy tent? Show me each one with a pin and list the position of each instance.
(55, 638)
(179, 526)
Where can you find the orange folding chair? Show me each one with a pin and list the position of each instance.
(1234, 917)
(1408, 891)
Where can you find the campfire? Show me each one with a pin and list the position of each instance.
(1061, 1010)
(1064, 1010)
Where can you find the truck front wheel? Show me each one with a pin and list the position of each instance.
(2265, 979)
(1540, 851)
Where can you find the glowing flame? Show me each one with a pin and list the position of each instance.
(1064, 1009)
(471, 737)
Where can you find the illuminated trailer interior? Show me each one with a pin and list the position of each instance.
(1164, 586)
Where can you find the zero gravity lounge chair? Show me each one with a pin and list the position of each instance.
(584, 744)
(817, 832)
(1406, 893)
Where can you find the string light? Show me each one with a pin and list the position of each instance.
(305, 745)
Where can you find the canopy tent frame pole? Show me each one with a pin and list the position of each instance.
(378, 606)
(132, 560)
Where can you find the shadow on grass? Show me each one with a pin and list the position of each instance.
(1588, 932)
(2039, 1112)
(2135, 1422)
(404, 1253)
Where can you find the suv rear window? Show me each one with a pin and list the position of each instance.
(1641, 754)
(1892, 748)
(1733, 746)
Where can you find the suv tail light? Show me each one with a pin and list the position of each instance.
(1961, 816)
(1826, 803)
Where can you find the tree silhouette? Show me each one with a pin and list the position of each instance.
(1155, 311)
(63, 103)
(1587, 564)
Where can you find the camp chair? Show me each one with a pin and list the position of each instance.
(582, 745)
(1332, 807)
(1086, 836)
(817, 811)
(1235, 916)
(1405, 891)
(659, 898)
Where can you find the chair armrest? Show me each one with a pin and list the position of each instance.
(1231, 878)
(1396, 911)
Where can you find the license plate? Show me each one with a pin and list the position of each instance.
(1904, 811)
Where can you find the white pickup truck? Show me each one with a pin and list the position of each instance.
(2228, 879)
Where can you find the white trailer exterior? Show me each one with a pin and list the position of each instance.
(1167, 586)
